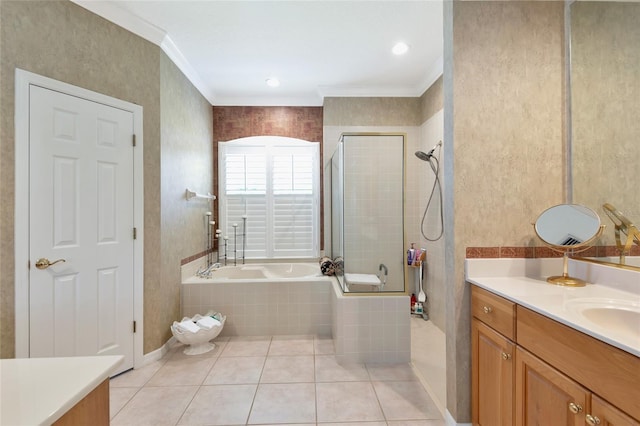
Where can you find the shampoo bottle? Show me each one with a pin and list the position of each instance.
(411, 254)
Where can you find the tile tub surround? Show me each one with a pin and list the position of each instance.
(371, 328)
(304, 386)
(263, 308)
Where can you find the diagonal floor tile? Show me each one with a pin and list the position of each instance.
(138, 377)
(405, 401)
(236, 370)
(288, 369)
(247, 346)
(155, 406)
(324, 346)
(356, 424)
(394, 372)
(118, 397)
(284, 403)
(220, 405)
(182, 372)
(291, 345)
(328, 370)
(347, 402)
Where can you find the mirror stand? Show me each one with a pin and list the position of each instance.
(568, 228)
(565, 279)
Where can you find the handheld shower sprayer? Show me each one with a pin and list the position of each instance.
(435, 166)
(426, 156)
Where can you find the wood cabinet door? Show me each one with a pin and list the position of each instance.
(544, 396)
(605, 414)
(492, 374)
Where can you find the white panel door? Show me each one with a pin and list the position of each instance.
(81, 210)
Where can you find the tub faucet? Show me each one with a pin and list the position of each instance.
(383, 272)
(206, 272)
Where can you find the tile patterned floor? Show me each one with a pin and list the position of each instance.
(280, 380)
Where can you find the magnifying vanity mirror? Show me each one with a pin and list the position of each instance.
(568, 228)
(625, 231)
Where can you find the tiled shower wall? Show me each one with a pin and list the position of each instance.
(373, 329)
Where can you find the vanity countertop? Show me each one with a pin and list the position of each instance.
(523, 281)
(38, 391)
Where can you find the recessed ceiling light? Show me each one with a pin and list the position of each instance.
(272, 82)
(400, 48)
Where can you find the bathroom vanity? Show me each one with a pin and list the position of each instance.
(545, 354)
(58, 391)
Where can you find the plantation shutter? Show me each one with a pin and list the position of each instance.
(276, 186)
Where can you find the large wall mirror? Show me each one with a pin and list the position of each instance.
(605, 107)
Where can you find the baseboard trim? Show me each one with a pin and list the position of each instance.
(158, 353)
(425, 384)
(450, 421)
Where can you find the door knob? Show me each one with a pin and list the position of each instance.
(43, 263)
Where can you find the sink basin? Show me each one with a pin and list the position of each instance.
(615, 315)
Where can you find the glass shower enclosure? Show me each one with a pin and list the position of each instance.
(367, 212)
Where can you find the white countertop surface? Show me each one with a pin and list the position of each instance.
(523, 281)
(38, 391)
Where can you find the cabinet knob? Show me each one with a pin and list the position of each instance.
(575, 408)
(487, 309)
(506, 356)
(592, 420)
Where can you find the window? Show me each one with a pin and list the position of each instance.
(275, 183)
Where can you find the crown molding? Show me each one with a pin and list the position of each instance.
(130, 22)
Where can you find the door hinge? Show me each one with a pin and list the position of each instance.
(134, 140)
(134, 326)
(135, 233)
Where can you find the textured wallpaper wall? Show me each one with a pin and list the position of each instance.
(61, 40)
(504, 133)
(186, 161)
(371, 111)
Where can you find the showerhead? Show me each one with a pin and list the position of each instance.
(423, 155)
(426, 156)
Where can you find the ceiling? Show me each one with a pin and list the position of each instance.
(228, 49)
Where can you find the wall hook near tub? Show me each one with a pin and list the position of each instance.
(191, 194)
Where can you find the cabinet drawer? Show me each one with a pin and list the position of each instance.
(495, 311)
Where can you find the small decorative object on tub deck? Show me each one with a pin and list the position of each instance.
(327, 267)
(338, 262)
(197, 332)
